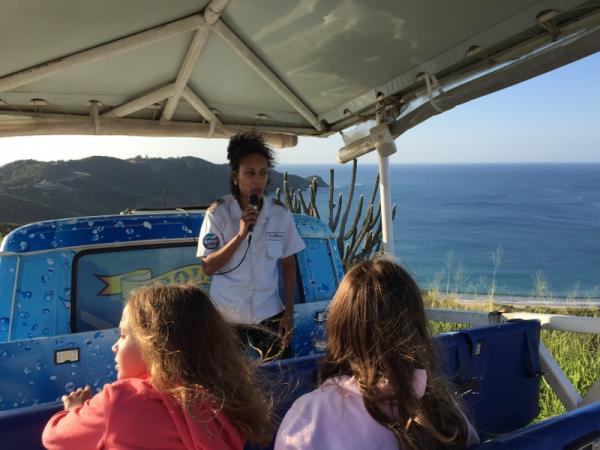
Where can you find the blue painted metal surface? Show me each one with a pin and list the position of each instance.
(31, 376)
(73, 274)
(54, 234)
(291, 378)
(62, 281)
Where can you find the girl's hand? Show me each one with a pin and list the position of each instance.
(249, 217)
(77, 397)
(286, 325)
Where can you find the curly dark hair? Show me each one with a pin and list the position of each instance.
(242, 145)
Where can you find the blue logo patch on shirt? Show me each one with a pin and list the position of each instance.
(210, 241)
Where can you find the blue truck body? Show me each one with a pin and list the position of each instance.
(62, 286)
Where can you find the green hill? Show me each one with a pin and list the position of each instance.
(33, 190)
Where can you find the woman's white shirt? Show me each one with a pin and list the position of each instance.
(250, 293)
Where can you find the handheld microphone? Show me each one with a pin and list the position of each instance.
(252, 203)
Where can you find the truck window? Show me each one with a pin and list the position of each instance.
(104, 278)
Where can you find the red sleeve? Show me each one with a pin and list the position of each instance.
(80, 427)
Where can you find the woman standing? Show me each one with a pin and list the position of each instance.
(243, 238)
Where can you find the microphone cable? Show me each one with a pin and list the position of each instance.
(239, 264)
(253, 203)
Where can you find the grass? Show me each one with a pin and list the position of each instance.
(577, 354)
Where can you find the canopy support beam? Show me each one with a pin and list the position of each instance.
(34, 124)
(211, 14)
(267, 74)
(141, 102)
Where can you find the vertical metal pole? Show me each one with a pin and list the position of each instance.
(385, 197)
(385, 146)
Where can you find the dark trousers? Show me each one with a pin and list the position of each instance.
(264, 338)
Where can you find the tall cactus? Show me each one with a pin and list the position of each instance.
(363, 237)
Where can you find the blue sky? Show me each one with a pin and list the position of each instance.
(552, 118)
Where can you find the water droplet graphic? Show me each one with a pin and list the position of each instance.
(44, 278)
(52, 377)
(119, 224)
(45, 331)
(49, 296)
(50, 261)
(23, 246)
(69, 387)
(95, 238)
(39, 365)
(23, 315)
(66, 303)
(45, 311)
(27, 370)
(90, 223)
(67, 292)
(4, 324)
(147, 225)
(129, 231)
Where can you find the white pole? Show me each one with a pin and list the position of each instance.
(385, 146)
(558, 381)
(386, 203)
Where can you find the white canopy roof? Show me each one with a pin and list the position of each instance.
(297, 67)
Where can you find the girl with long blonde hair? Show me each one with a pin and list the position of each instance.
(183, 383)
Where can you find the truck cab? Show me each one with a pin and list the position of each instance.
(63, 284)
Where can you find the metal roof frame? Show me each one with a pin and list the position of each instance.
(518, 42)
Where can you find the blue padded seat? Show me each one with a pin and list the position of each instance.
(573, 430)
(496, 369)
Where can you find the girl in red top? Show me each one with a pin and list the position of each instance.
(183, 383)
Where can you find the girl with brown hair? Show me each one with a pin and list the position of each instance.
(183, 383)
(382, 387)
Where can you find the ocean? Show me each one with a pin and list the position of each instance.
(530, 231)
